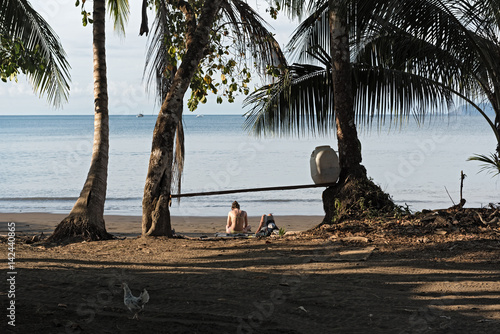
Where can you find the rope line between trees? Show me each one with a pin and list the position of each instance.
(233, 191)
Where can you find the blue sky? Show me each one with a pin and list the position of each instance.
(125, 61)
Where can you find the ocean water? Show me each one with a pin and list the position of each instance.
(44, 161)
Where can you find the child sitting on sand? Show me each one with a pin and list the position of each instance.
(237, 220)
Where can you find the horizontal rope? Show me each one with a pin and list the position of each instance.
(223, 192)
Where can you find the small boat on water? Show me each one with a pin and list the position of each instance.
(199, 115)
(139, 115)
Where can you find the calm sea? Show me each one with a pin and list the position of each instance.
(44, 162)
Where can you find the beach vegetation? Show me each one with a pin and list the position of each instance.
(465, 49)
(490, 164)
(29, 46)
(197, 45)
(86, 218)
(404, 58)
(15, 59)
(306, 98)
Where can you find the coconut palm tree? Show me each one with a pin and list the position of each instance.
(86, 219)
(200, 26)
(29, 45)
(331, 26)
(405, 56)
(462, 37)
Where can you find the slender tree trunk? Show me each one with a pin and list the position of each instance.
(354, 193)
(86, 219)
(156, 200)
(347, 136)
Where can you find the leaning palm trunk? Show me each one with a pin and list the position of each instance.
(86, 219)
(354, 192)
(156, 200)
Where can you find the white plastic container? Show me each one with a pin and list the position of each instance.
(324, 165)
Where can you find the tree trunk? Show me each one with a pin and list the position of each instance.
(156, 200)
(86, 219)
(347, 136)
(354, 192)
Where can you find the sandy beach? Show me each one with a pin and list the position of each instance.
(130, 226)
(435, 274)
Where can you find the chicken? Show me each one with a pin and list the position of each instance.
(134, 304)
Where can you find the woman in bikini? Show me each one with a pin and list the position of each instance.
(237, 220)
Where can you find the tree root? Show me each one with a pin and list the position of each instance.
(356, 197)
(75, 228)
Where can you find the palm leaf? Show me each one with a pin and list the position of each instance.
(119, 11)
(157, 59)
(312, 32)
(251, 34)
(491, 164)
(300, 102)
(20, 21)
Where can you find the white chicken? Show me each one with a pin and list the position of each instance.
(134, 304)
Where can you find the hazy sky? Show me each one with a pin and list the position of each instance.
(125, 61)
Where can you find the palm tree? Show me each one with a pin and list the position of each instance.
(402, 59)
(199, 23)
(29, 45)
(86, 219)
(465, 48)
(354, 190)
(462, 36)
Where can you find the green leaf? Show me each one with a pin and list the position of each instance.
(490, 165)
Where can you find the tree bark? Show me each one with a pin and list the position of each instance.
(86, 219)
(157, 190)
(348, 144)
(354, 194)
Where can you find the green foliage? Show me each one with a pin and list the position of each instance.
(16, 59)
(338, 211)
(86, 16)
(274, 9)
(222, 71)
(119, 11)
(219, 74)
(490, 164)
(281, 231)
(400, 211)
(29, 45)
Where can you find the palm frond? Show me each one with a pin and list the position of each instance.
(312, 32)
(251, 34)
(20, 21)
(300, 102)
(491, 164)
(157, 59)
(178, 163)
(119, 11)
(295, 8)
(387, 93)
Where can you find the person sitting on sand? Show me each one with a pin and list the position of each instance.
(267, 225)
(237, 220)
